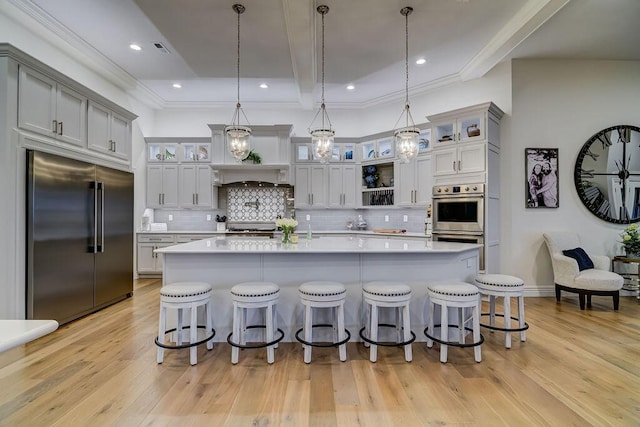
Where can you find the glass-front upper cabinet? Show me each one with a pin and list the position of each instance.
(162, 152)
(343, 152)
(377, 149)
(196, 152)
(424, 141)
(463, 129)
(302, 152)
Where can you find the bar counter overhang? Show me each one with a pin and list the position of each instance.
(225, 262)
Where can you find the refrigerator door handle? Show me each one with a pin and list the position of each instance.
(101, 189)
(93, 248)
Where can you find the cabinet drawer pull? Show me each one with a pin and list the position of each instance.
(55, 126)
(459, 165)
(197, 199)
(60, 132)
(159, 198)
(454, 165)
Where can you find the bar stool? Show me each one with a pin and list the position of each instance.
(458, 295)
(319, 294)
(254, 295)
(502, 285)
(393, 295)
(181, 296)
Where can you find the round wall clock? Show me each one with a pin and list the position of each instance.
(607, 174)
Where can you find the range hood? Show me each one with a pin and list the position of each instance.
(239, 173)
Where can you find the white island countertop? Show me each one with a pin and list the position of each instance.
(318, 244)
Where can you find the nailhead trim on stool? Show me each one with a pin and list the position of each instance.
(459, 295)
(502, 285)
(180, 296)
(255, 295)
(394, 295)
(323, 294)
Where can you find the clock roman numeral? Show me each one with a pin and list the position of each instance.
(605, 139)
(593, 155)
(584, 174)
(624, 135)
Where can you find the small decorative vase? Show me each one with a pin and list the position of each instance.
(286, 236)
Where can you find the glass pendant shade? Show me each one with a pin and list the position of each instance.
(322, 137)
(407, 137)
(238, 141)
(407, 143)
(322, 144)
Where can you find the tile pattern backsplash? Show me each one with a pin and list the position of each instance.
(255, 204)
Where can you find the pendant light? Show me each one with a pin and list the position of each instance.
(406, 138)
(238, 142)
(322, 137)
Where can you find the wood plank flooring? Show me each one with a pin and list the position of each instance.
(576, 368)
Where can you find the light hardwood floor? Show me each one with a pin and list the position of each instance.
(576, 368)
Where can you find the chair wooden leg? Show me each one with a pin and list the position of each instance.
(581, 298)
(616, 300)
(588, 300)
(557, 293)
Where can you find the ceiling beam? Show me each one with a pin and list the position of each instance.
(528, 19)
(300, 21)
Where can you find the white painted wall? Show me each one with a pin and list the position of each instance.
(559, 103)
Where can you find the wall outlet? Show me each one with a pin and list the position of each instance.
(208, 217)
(405, 218)
(170, 217)
(308, 217)
(386, 218)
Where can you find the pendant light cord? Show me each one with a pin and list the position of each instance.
(238, 62)
(406, 59)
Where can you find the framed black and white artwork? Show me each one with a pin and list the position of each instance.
(541, 165)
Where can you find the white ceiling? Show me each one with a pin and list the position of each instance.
(364, 39)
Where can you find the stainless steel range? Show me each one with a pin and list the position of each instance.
(251, 229)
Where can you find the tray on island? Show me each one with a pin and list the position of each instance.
(388, 231)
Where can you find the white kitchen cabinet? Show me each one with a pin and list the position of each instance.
(108, 132)
(342, 186)
(162, 186)
(414, 182)
(196, 189)
(466, 128)
(196, 152)
(51, 109)
(341, 153)
(149, 262)
(162, 153)
(377, 149)
(311, 186)
(468, 158)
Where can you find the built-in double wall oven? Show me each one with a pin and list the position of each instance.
(458, 214)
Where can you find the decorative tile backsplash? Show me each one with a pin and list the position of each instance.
(255, 204)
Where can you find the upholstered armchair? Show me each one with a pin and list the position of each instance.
(573, 273)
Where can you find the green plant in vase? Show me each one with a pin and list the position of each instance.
(287, 225)
(631, 240)
(254, 158)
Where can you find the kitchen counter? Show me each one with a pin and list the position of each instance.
(318, 244)
(352, 260)
(299, 232)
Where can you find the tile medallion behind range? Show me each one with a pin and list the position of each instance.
(255, 204)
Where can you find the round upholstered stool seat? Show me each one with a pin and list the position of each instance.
(459, 296)
(254, 295)
(394, 295)
(181, 296)
(323, 294)
(507, 287)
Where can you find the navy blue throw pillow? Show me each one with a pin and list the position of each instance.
(584, 262)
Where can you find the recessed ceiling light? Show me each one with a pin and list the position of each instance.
(421, 61)
(177, 85)
(350, 87)
(264, 85)
(134, 46)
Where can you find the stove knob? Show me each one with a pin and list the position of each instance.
(467, 188)
(446, 190)
(439, 190)
(475, 188)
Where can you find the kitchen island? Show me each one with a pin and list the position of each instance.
(224, 262)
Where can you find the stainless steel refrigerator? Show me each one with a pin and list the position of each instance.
(79, 237)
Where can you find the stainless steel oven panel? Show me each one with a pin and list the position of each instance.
(462, 238)
(444, 226)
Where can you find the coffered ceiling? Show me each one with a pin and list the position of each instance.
(280, 43)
